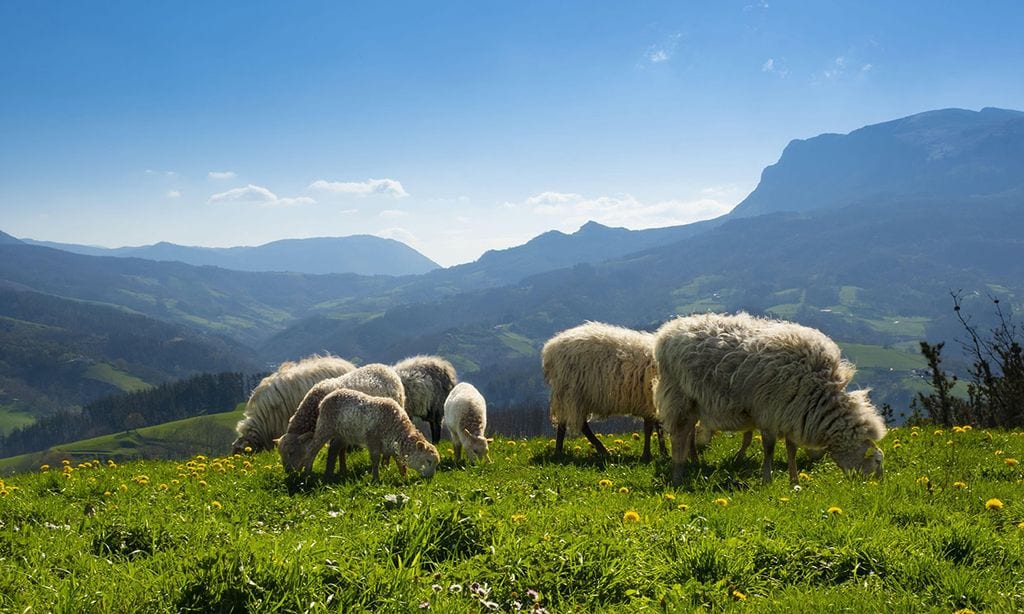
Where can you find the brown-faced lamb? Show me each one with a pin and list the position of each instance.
(427, 380)
(465, 416)
(598, 370)
(373, 379)
(738, 372)
(352, 418)
(274, 400)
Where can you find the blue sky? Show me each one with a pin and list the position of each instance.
(456, 127)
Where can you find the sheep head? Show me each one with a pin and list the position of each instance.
(295, 453)
(476, 446)
(424, 458)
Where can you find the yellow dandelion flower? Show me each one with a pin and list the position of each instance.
(107, 493)
(960, 485)
(964, 611)
(939, 432)
(248, 449)
(631, 516)
(623, 490)
(202, 482)
(512, 442)
(721, 502)
(968, 427)
(1020, 525)
(200, 457)
(998, 452)
(682, 507)
(1010, 462)
(958, 429)
(915, 434)
(670, 497)
(994, 504)
(738, 596)
(636, 435)
(803, 477)
(605, 483)
(163, 487)
(835, 510)
(949, 442)
(923, 480)
(897, 446)
(44, 468)
(216, 505)
(175, 482)
(123, 487)
(65, 462)
(518, 517)
(784, 499)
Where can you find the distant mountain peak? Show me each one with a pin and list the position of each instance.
(8, 239)
(592, 226)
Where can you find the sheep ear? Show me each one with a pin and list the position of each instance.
(872, 447)
(468, 434)
(276, 441)
(420, 445)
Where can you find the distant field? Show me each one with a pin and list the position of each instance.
(211, 434)
(877, 357)
(126, 382)
(10, 420)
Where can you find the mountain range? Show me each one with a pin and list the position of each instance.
(862, 235)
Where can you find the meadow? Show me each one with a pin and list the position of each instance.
(942, 532)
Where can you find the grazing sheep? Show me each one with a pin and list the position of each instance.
(465, 415)
(374, 379)
(274, 400)
(352, 418)
(738, 372)
(427, 380)
(598, 370)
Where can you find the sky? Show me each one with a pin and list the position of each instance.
(455, 127)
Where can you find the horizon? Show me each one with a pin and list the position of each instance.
(456, 128)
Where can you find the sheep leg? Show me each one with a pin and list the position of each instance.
(648, 431)
(661, 438)
(559, 438)
(334, 447)
(594, 441)
(748, 436)
(375, 454)
(768, 443)
(794, 477)
(457, 445)
(435, 431)
(682, 432)
(342, 468)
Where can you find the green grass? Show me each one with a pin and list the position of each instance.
(12, 419)
(232, 534)
(878, 357)
(108, 374)
(210, 434)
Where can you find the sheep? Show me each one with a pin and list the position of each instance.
(373, 379)
(274, 400)
(427, 380)
(350, 418)
(597, 370)
(465, 416)
(738, 372)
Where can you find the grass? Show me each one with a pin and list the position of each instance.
(11, 419)
(108, 374)
(525, 532)
(878, 357)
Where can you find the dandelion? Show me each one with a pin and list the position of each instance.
(915, 434)
(123, 487)
(202, 483)
(620, 442)
(803, 477)
(163, 487)
(835, 511)
(897, 446)
(998, 452)
(960, 485)
(518, 517)
(248, 449)
(44, 468)
(738, 596)
(682, 507)
(722, 502)
(958, 429)
(605, 483)
(967, 427)
(923, 480)
(111, 463)
(65, 462)
(512, 442)
(623, 490)
(636, 435)
(784, 499)
(670, 497)
(107, 493)
(216, 505)
(1020, 525)
(631, 516)
(939, 432)
(964, 611)
(1010, 462)
(994, 504)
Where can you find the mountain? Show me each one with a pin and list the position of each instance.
(359, 254)
(6, 239)
(56, 353)
(949, 153)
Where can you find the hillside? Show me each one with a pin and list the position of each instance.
(359, 254)
(57, 353)
(944, 154)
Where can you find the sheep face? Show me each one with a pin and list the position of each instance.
(476, 447)
(424, 459)
(294, 451)
(865, 457)
(239, 446)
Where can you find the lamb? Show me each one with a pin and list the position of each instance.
(465, 416)
(373, 379)
(597, 370)
(738, 372)
(427, 380)
(274, 400)
(350, 418)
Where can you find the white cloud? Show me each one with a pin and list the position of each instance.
(150, 171)
(221, 175)
(173, 194)
(768, 66)
(656, 54)
(391, 213)
(384, 187)
(399, 234)
(626, 210)
(254, 194)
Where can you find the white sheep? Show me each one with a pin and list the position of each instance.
(274, 400)
(373, 379)
(598, 370)
(465, 416)
(352, 418)
(738, 372)
(427, 380)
